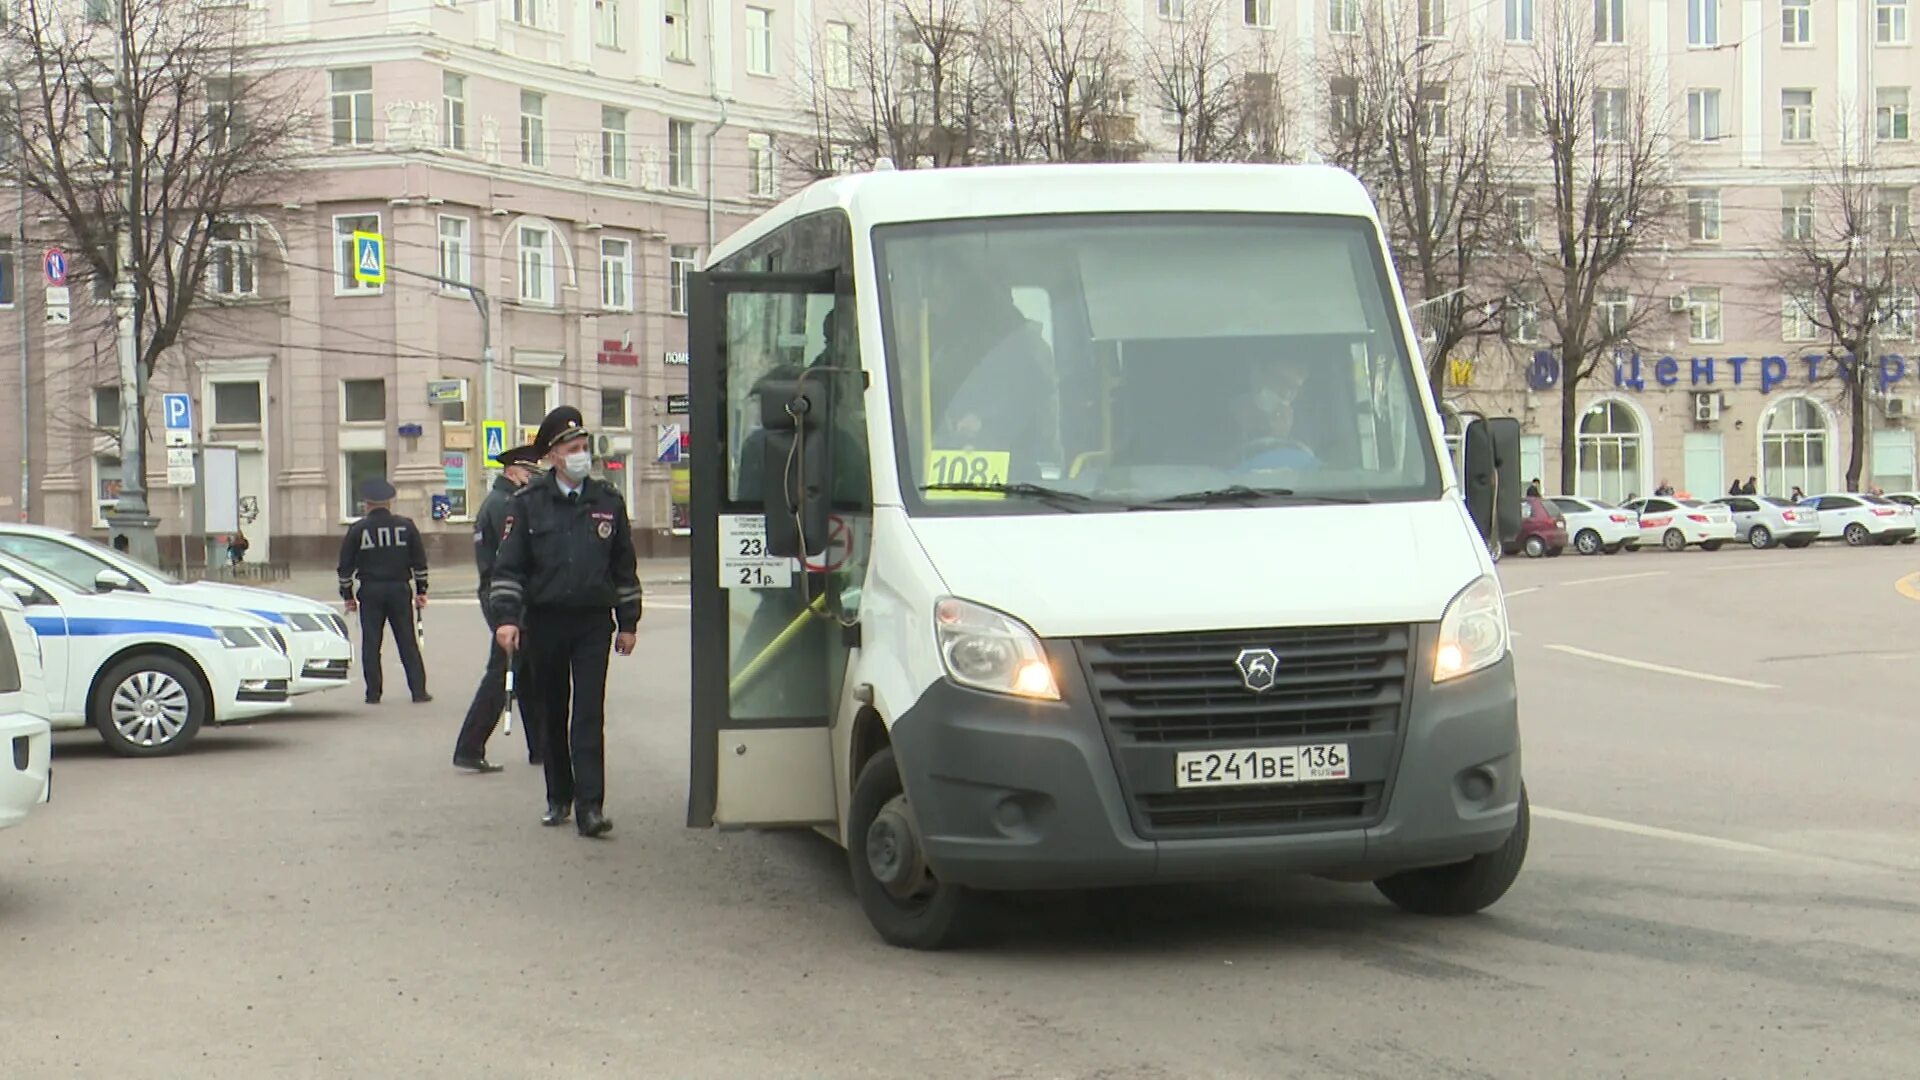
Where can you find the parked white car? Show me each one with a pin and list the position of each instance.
(1910, 499)
(145, 672)
(1862, 519)
(316, 636)
(1597, 526)
(26, 745)
(1676, 524)
(1761, 521)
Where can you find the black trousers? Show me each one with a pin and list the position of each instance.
(490, 701)
(567, 650)
(384, 604)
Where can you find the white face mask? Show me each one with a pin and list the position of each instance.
(576, 465)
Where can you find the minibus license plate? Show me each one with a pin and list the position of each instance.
(1266, 765)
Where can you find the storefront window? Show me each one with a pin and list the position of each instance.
(360, 467)
(1793, 447)
(455, 464)
(1893, 460)
(1610, 448)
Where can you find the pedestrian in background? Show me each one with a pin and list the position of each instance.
(384, 552)
(1796, 495)
(567, 575)
(518, 467)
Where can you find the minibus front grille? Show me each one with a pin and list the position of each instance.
(1217, 811)
(1189, 688)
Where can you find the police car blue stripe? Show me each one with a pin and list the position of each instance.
(271, 616)
(55, 627)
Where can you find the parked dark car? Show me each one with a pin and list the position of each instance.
(1543, 529)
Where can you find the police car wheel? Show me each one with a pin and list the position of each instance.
(148, 705)
(1467, 887)
(906, 904)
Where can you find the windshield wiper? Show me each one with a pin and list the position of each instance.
(1053, 496)
(1241, 493)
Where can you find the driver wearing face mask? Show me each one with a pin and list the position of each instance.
(1265, 416)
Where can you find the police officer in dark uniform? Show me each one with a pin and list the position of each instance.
(383, 549)
(518, 467)
(566, 574)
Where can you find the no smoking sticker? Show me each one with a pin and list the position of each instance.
(839, 550)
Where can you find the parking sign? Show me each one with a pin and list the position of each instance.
(56, 267)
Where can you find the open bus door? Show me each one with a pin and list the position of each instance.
(769, 641)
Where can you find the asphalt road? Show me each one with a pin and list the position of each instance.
(1724, 881)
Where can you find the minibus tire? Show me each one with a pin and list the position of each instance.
(1467, 887)
(940, 918)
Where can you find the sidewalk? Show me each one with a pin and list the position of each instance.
(321, 583)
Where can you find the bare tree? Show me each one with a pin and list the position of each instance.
(1414, 112)
(1603, 131)
(1193, 72)
(1080, 65)
(1846, 268)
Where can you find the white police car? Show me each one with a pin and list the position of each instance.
(316, 637)
(26, 747)
(145, 672)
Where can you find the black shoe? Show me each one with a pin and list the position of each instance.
(592, 823)
(422, 699)
(557, 814)
(373, 699)
(536, 761)
(479, 765)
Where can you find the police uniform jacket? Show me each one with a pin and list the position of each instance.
(382, 546)
(486, 530)
(561, 553)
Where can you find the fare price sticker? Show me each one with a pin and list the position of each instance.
(744, 562)
(984, 467)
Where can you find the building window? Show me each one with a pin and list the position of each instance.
(526, 12)
(536, 265)
(680, 263)
(606, 23)
(100, 130)
(1796, 116)
(230, 272)
(1703, 23)
(226, 125)
(1703, 315)
(1796, 22)
(1892, 114)
(453, 103)
(1610, 21)
(1796, 214)
(1520, 15)
(762, 169)
(1796, 316)
(1892, 458)
(9, 272)
(106, 408)
(613, 409)
(1703, 215)
(1522, 217)
(1523, 112)
(1893, 214)
(237, 404)
(1793, 447)
(1610, 114)
(1257, 12)
(1431, 17)
(344, 226)
(1173, 10)
(759, 41)
(532, 402)
(1609, 465)
(839, 58)
(1897, 318)
(1343, 16)
(1616, 314)
(533, 129)
(352, 94)
(455, 412)
(613, 143)
(456, 254)
(679, 32)
(616, 274)
(363, 401)
(1343, 103)
(1890, 22)
(1703, 115)
(1521, 319)
(106, 487)
(356, 468)
(1435, 121)
(680, 154)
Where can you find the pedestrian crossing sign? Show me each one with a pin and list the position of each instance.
(495, 438)
(369, 258)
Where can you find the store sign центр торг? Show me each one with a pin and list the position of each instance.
(1765, 372)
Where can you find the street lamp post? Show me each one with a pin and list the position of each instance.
(131, 517)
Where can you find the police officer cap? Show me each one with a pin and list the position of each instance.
(518, 455)
(376, 490)
(561, 425)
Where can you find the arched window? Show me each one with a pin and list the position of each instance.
(1793, 447)
(1610, 449)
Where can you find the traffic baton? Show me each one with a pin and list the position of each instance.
(420, 625)
(506, 713)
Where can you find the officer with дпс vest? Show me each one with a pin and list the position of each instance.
(383, 550)
(519, 466)
(566, 573)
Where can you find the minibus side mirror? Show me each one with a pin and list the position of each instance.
(1479, 478)
(1491, 461)
(1510, 492)
(797, 415)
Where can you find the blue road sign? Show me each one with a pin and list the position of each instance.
(369, 258)
(495, 439)
(177, 409)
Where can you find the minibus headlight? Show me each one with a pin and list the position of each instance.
(1473, 632)
(985, 650)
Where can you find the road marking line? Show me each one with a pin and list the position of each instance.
(1654, 832)
(1615, 577)
(1745, 566)
(1908, 586)
(1642, 665)
(1522, 592)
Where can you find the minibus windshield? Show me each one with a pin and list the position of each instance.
(1089, 362)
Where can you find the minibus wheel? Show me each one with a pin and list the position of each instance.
(903, 900)
(1462, 888)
